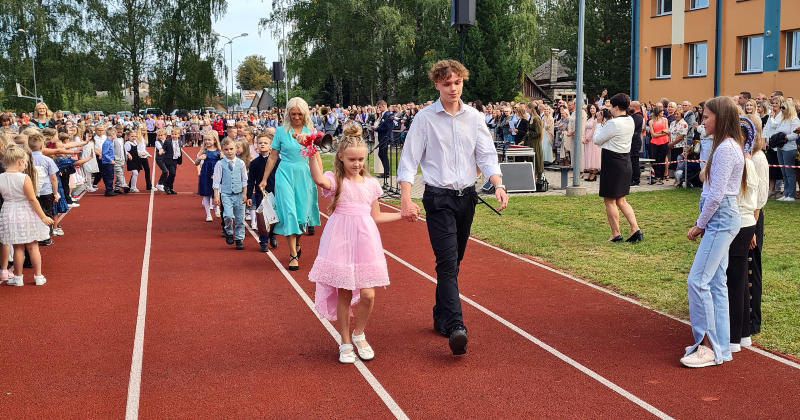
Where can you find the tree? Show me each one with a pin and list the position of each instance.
(252, 73)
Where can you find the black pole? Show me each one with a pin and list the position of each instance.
(462, 32)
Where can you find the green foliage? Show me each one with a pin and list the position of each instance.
(398, 42)
(607, 41)
(252, 73)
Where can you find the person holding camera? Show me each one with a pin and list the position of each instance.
(614, 135)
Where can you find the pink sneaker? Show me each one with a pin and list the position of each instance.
(702, 357)
(3, 275)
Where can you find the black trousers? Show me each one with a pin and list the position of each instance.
(673, 156)
(383, 155)
(46, 201)
(65, 185)
(172, 169)
(146, 169)
(738, 293)
(107, 171)
(660, 153)
(636, 173)
(754, 276)
(151, 139)
(449, 220)
(164, 172)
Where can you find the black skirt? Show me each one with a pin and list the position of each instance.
(615, 180)
(134, 164)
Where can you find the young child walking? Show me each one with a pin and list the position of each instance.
(256, 195)
(119, 161)
(206, 161)
(22, 221)
(90, 168)
(350, 262)
(161, 137)
(230, 183)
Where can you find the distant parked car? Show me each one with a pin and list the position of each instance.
(154, 111)
(180, 113)
(125, 114)
(100, 113)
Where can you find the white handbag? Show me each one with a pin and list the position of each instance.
(268, 210)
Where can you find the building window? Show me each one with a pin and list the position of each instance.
(698, 4)
(752, 54)
(663, 62)
(793, 50)
(698, 59)
(663, 7)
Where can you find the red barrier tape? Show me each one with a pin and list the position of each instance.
(702, 161)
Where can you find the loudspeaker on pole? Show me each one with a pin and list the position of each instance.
(277, 71)
(462, 12)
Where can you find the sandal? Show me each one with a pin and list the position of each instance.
(660, 182)
(346, 356)
(296, 267)
(365, 352)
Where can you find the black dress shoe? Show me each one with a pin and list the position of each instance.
(311, 231)
(170, 191)
(439, 327)
(293, 268)
(229, 239)
(223, 234)
(110, 194)
(264, 247)
(617, 238)
(273, 241)
(239, 244)
(458, 340)
(636, 237)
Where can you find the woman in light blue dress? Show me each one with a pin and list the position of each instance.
(295, 191)
(547, 135)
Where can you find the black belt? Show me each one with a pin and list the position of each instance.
(448, 191)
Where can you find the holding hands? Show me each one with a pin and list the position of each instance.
(409, 211)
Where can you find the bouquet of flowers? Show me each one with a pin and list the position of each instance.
(311, 142)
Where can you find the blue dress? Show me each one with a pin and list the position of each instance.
(205, 185)
(295, 190)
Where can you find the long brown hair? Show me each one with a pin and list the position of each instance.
(352, 138)
(726, 126)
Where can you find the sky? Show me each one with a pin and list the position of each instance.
(243, 17)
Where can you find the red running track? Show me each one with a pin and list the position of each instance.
(228, 336)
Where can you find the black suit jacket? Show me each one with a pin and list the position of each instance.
(169, 151)
(384, 127)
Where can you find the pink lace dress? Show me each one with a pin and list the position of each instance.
(350, 250)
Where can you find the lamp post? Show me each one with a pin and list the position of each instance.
(33, 63)
(230, 41)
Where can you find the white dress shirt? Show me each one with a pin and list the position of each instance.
(448, 148)
(615, 134)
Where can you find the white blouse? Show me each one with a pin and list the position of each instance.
(615, 134)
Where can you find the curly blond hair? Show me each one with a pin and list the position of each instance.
(442, 69)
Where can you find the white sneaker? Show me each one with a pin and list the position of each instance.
(217, 213)
(255, 225)
(735, 348)
(40, 280)
(160, 187)
(58, 232)
(347, 356)
(209, 218)
(15, 281)
(702, 357)
(74, 205)
(134, 190)
(782, 199)
(746, 342)
(789, 199)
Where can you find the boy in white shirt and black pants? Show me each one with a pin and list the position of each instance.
(448, 140)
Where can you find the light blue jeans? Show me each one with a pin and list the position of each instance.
(708, 292)
(786, 157)
(233, 215)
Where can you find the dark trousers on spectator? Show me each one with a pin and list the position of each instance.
(107, 171)
(172, 169)
(636, 172)
(738, 292)
(754, 274)
(151, 139)
(660, 154)
(673, 156)
(449, 220)
(383, 155)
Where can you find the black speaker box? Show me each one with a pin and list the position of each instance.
(277, 71)
(462, 12)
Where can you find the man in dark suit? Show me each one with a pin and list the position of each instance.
(635, 111)
(384, 128)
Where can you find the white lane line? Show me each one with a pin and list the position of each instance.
(365, 372)
(612, 293)
(135, 382)
(614, 387)
(70, 209)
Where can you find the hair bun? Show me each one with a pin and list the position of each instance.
(352, 130)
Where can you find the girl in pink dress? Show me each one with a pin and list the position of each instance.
(350, 262)
(591, 153)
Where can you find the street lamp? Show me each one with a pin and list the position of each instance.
(33, 63)
(230, 41)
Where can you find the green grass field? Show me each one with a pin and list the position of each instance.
(570, 233)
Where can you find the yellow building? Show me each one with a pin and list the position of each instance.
(675, 53)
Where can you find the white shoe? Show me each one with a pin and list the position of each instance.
(255, 225)
(209, 218)
(74, 205)
(58, 232)
(4, 275)
(365, 352)
(134, 190)
(160, 187)
(746, 342)
(216, 212)
(735, 348)
(347, 356)
(789, 199)
(247, 217)
(15, 281)
(701, 357)
(782, 199)
(40, 280)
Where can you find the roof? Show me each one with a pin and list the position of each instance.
(542, 73)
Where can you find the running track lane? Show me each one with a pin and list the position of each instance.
(227, 336)
(508, 378)
(67, 344)
(630, 345)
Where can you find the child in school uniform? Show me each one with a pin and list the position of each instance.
(90, 168)
(105, 146)
(350, 262)
(207, 159)
(172, 158)
(161, 137)
(22, 221)
(119, 163)
(144, 155)
(230, 183)
(132, 162)
(48, 170)
(255, 175)
(243, 153)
